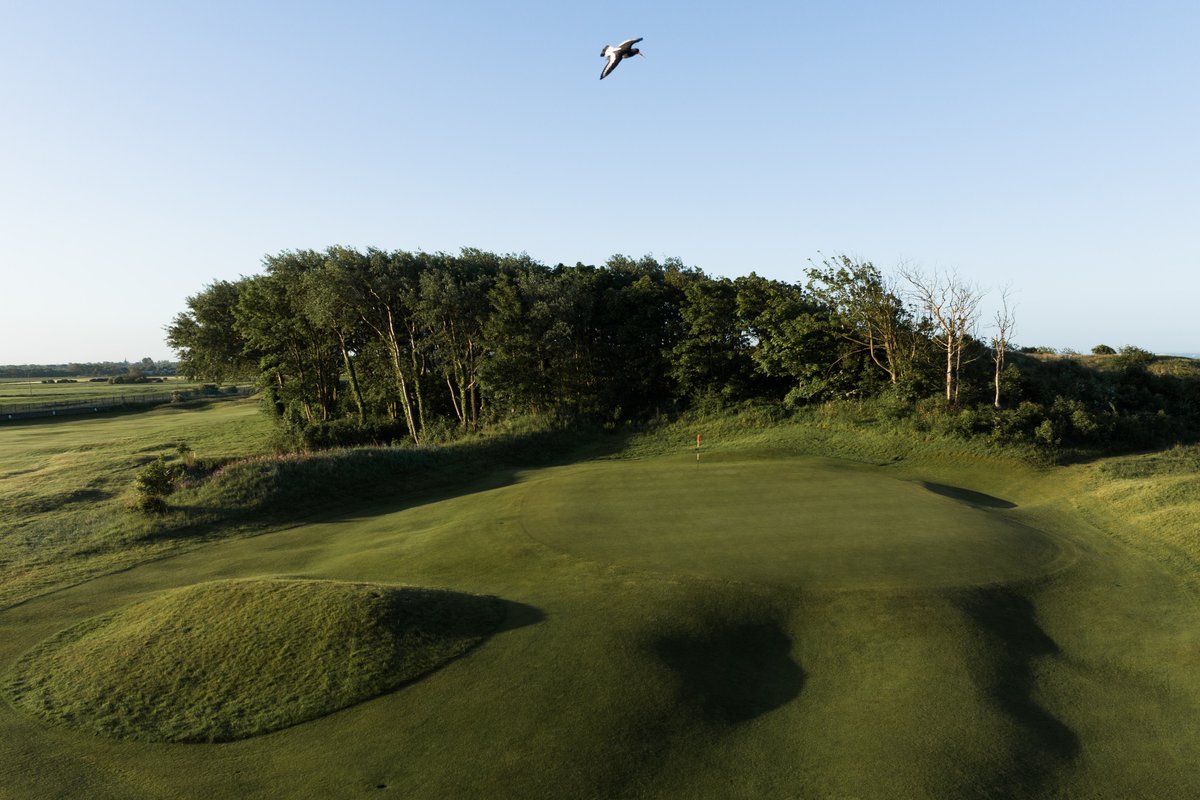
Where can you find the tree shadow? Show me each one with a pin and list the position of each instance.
(367, 481)
(968, 496)
(736, 673)
(1009, 625)
(518, 615)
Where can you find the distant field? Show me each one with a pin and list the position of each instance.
(16, 392)
(766, 622)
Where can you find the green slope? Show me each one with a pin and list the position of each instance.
(789, 628)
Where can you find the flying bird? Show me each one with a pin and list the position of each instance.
(614, 54)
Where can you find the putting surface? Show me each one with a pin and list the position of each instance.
(808, 522)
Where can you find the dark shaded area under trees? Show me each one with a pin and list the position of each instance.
(352, 347)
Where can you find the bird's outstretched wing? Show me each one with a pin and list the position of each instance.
(625, 44)
(613, 60)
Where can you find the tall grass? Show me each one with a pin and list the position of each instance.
(874, 431)
(1150, 499)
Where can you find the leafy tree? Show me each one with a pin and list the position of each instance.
(714, 354)
(383, 287)
(794, 340)
(301, 359)
(868, 312)
(452, 308)
(205, 338)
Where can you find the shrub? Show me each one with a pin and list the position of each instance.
(153, 484)
(1103, 350)
(343, 432)
(1045, 435)
(152, 504)
(1131, 358)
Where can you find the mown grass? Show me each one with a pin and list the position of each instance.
(36, 393)
(710, 669)
(226, 660)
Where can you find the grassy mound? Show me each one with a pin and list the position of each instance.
(232, 659)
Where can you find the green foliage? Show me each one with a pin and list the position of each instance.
(1103, 350)
(1130, 357)
(205, 336)
(154, 483)
(715, 355)
(134, 376)
(356, 347)
(342, 432)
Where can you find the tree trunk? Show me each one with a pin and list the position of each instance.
(999, 366)
(949, 369)
(352, 375)
(393, 344)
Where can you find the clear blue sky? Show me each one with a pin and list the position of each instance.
(149, 148)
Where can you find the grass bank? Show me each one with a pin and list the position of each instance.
(757, 635)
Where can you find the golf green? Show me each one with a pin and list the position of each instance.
(762, 624)
(809, 522)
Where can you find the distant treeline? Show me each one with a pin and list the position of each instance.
(350, 345)
(93, 369)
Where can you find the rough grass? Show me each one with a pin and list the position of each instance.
(65, 485)
(1150, 500)
(630, 673)
(66, 495)
(227, 660)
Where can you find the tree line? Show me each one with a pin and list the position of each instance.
(147, 366)
(348, 343)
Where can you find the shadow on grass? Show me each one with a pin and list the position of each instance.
(270, 492)
(518, 615)
(1009, 626)
(734, 674)
(41, 505)
(967, 496)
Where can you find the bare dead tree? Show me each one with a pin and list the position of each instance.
(952, 305)
(1005, 325)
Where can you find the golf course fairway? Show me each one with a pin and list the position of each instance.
(756, 625)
